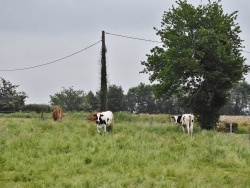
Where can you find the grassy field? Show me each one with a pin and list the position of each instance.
(148, 152)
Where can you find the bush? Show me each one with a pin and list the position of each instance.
(225, 127)
(19, 115)
(38, 108)
(242, 130)
(122, 116)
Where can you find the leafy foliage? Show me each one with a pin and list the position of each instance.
(90, 102)
(10, 98)
(69, 99)
(200, 58)
(38, 108)
(238, 100)
(116, 98)
(140, 99)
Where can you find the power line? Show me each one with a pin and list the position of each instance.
(148, 40)
(133, 38)
(118, 35)
(245, 51)
(51, 61)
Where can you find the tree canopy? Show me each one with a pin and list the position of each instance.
(238, 100)
(10, 98)
(69, 99)
(116, 98)
(200, 58)
(141, 99)
(90, 102)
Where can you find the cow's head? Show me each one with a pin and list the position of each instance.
(92, 117)
(177, 119)
(98, 118)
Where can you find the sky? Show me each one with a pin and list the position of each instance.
(45, 32)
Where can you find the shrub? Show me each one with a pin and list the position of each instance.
(122, 116)
(225, 127)
(38, 108)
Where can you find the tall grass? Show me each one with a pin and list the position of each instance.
(44, 153)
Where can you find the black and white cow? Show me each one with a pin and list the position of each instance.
(104, 120)
(186, 121)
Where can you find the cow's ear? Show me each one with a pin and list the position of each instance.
(101, 115)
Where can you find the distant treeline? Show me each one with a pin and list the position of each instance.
(38, 108)
(138, 100)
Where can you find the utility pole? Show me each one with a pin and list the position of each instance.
(104, 87)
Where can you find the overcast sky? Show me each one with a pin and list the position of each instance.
(35, 32)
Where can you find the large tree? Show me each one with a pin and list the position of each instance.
(200, 58)
(69, 99)
(116, 98)
(141, 99)
(10, 98)
(239, 100)
(90, 102)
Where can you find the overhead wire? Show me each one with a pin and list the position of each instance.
(133, 37)
(245, 51)
(118, 35)
(32, 67)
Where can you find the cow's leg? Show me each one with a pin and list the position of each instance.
(188, 129)
(98, 129)
(105, 128)
(192, 124)
(191, 130)
(60, 117)
(183, 128)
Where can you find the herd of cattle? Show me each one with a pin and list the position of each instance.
(105, 120)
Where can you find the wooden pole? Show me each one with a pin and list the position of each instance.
(104, 88)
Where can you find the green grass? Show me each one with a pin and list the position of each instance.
(44, 153)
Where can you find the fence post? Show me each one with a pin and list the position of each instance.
(169, 118)
(130, 117)
(231, 128)
(249, 134)
(42, 117)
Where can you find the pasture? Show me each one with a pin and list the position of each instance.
(148, 152)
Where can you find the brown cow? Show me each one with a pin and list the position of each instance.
(92, 117)
(57, 114)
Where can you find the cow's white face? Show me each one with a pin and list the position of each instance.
(99, 118)
(177, 119)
